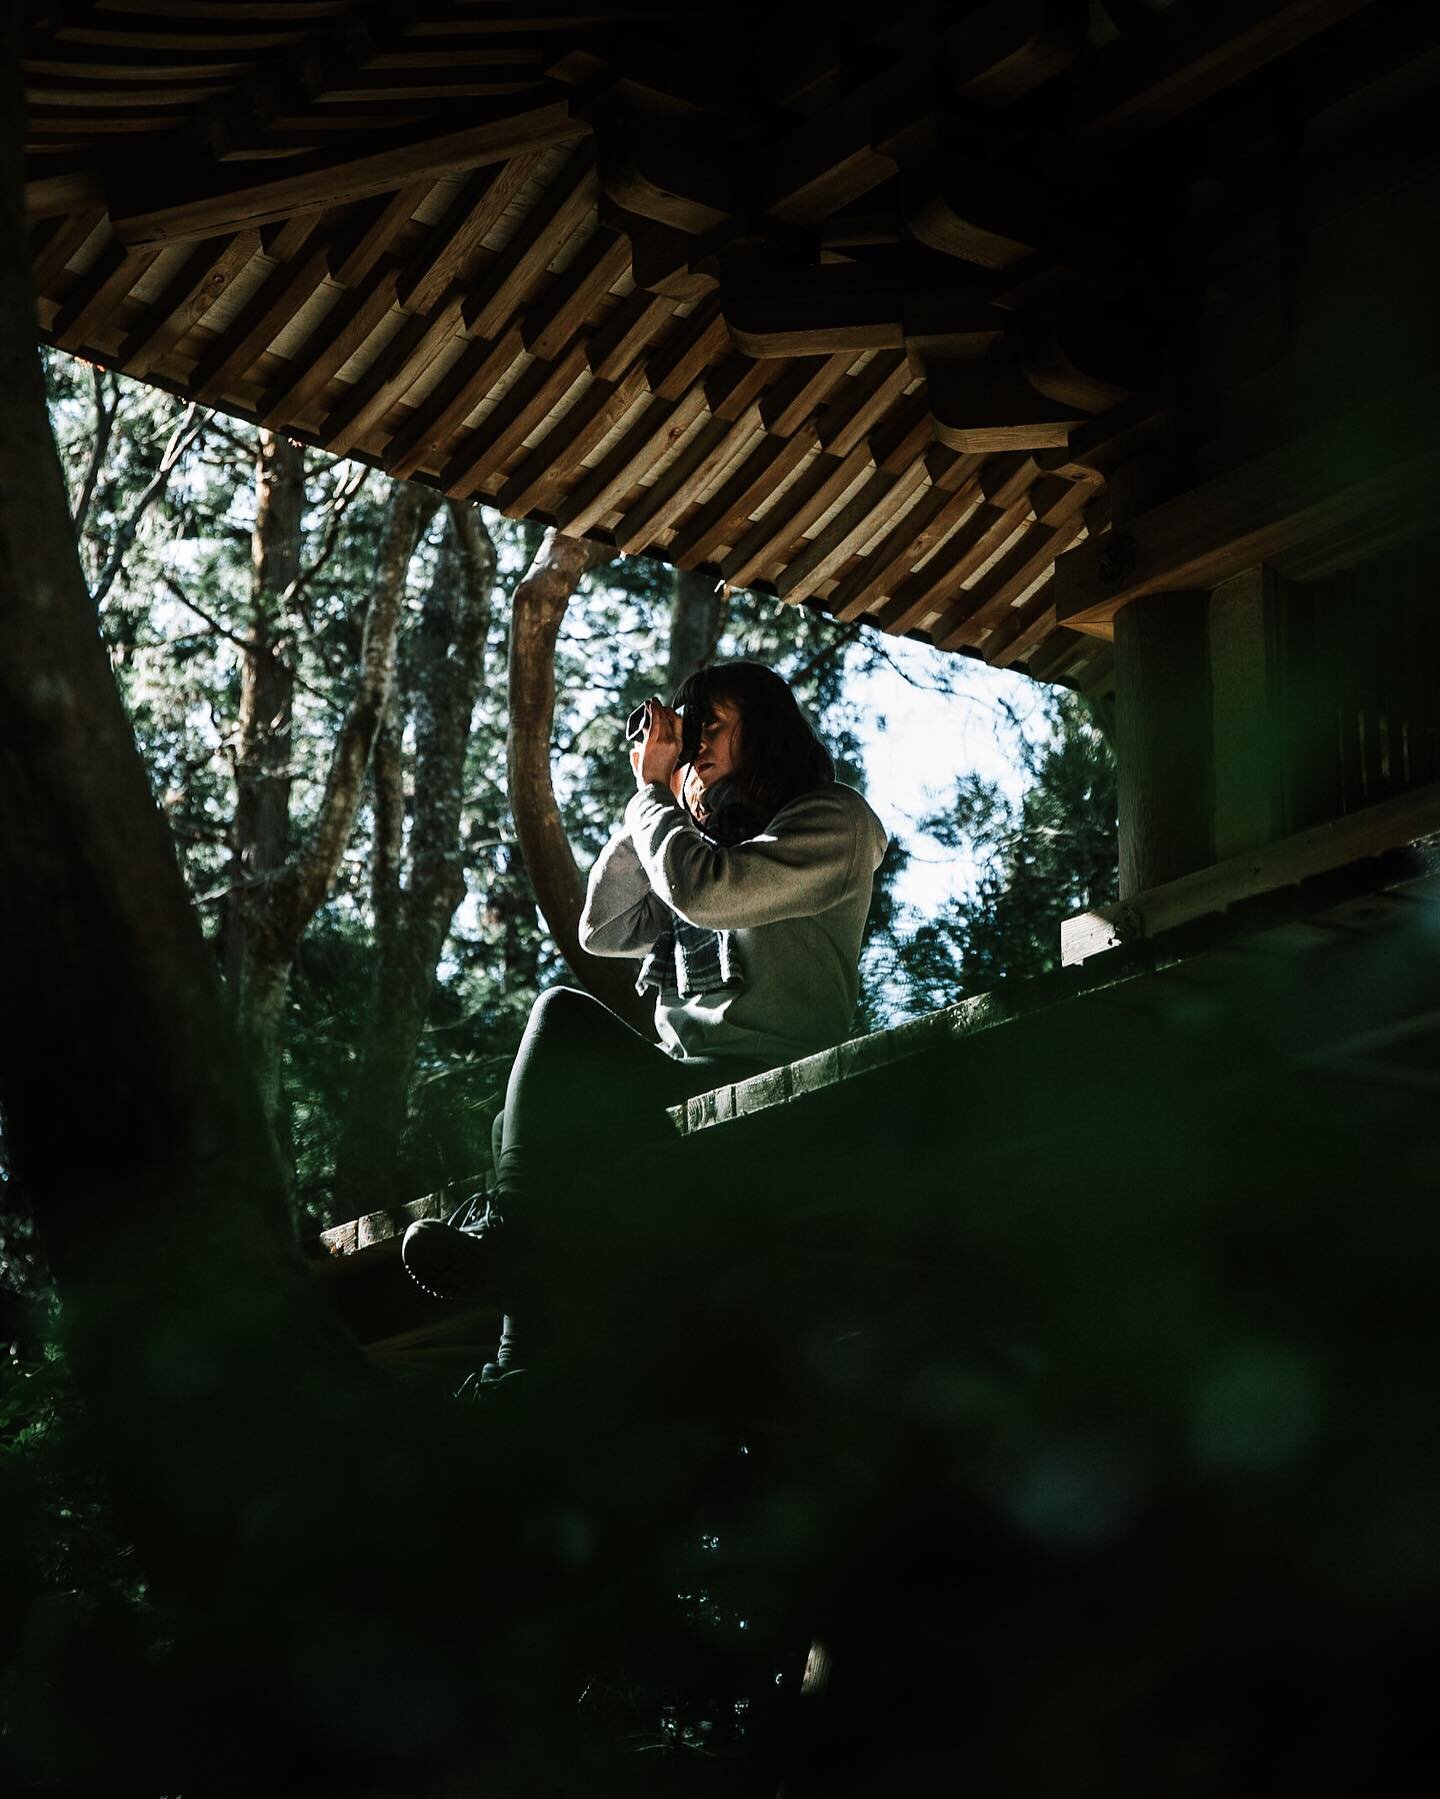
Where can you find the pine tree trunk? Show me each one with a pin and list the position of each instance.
(128, 1112)
(260, 839)
(413, 920)
(697, 617)
(537, 609)
(279, 898)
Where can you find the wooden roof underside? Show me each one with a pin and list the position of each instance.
(853, 305)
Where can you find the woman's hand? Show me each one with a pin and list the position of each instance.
(656, 756)
(690, 791)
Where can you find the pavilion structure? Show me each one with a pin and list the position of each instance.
(1088, 337)
(1090, 1322)
(1091, 338)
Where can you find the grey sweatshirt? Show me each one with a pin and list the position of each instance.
(795, 897)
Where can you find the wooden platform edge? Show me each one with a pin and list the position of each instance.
(916, 1036)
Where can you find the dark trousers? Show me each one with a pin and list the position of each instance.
(585, 1090)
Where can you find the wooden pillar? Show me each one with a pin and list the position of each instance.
(1249, 799)
(1197, 731)
(1163, 738)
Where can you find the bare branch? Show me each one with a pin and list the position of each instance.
(178, 592)
(192, 424)
(842, 640)
(340, 503)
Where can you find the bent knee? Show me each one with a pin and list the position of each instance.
(560, 1011)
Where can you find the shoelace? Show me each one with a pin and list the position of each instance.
(476, 1214)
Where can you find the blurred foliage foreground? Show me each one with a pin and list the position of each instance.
(1073, 1386)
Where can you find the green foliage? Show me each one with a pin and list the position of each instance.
(1041, 858)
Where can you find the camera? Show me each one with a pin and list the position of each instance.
(689, 730)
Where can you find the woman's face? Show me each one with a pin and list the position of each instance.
(719, 752)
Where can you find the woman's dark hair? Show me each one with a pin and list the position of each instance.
(780, 755)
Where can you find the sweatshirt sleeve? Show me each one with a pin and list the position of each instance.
(802, 864)
(621, 915)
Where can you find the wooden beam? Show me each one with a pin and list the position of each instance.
(1024, 626)
(658, 425)
(1163, 743)
(555, 217)
(356, 249)
(340, 334)
(628, 328)
(658, 172)
(812, 495)
(858, 402)
(569, 301)
(1207, 46)
(286, 238)
(879, 498)
(185, 301)
(980, 213)
(668, 496)
(733, 384)
(794, 398)
(1007, 478)
(777, 311)
(924, 527)
(721, 519)
(979, 407)
(970, 546)
(1006, 48)
(848, 147)
(436, 420)
(67, 236)
(663, 260)
(1260, 511)
(63, 194)
(537, 392)
(687, 352)
(259, 324)
(981, 607)
(396, 369)
(1058, 652)
(161, 196)
(97, 295)
(455, 242)
(540, 479)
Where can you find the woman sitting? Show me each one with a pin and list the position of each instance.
(741, 882)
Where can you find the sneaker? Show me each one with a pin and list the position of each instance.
(457, 1262)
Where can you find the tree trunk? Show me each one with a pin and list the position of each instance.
(413, 919)
(307, 1531)
(193, 1329)
(537, 609)
(260, 839)
(697, 617)
(282, 897)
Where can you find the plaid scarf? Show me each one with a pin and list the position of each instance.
(689, 959)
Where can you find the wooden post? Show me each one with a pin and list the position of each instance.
(1163, 739)
(1245, 725)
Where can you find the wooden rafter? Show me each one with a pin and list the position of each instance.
(886, 326)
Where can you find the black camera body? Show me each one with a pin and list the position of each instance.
(689, 730)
